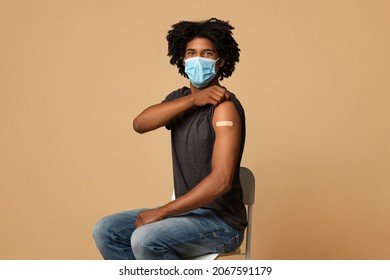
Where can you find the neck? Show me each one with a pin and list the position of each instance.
(214, 82)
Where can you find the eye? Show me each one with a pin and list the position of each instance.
(190, 53)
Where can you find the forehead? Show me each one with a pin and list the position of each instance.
(200, 44)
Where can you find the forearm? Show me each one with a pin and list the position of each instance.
(205, 192)
(209, 189)
(161, 114)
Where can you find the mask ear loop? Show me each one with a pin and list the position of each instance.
(221, 63)
(219, 66)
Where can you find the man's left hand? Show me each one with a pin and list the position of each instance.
(149, 216)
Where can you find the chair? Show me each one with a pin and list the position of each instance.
(248, 187)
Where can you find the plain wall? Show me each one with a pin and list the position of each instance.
(313, 78)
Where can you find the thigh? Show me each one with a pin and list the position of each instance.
(191, 234)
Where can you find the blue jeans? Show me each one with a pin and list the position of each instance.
(187, 235)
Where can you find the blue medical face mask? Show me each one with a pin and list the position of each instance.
(200, 70)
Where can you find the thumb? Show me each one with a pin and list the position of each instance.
(227, 95)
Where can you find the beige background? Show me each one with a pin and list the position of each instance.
(314, 80)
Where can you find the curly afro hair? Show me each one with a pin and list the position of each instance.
(217, 31)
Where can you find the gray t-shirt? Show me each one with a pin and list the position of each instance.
(192, 140)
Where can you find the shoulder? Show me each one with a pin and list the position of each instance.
(231, 107)
(226, 108)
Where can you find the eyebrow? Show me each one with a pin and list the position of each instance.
(205, 50)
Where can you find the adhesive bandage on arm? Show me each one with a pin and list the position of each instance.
(224, 123)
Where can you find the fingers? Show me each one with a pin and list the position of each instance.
(214, 95)
(138, 221)
(141, 219)
(219, 94)
(227, 95)
(148, 216)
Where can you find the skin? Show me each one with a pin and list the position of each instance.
(227, 138)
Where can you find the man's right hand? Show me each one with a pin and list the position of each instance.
(213, 95)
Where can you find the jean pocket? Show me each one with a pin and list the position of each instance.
(230, 245)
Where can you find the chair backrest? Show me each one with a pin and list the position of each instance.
(248, 185)
(248, 188)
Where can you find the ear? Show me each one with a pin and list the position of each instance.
(221, 62)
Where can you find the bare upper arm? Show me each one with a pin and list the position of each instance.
(227, 127)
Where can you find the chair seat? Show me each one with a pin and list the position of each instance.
(213, 256)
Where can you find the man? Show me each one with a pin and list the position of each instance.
(207, 126)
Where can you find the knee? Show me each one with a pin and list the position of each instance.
(101, 232)
(150, 243)
(144, 243)
(138, 241)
